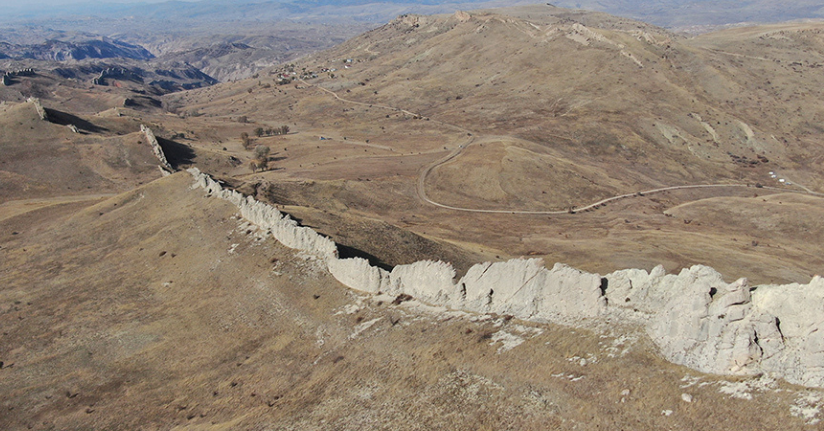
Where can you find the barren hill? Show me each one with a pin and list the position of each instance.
(487, 139)
(503, 116)
(41, 159)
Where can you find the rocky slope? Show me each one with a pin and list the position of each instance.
(57, 50)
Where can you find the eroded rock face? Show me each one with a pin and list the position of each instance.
(431, 282)
(526, 289)
(41, 111)
(709, 332)
(698, 320)
(695, 317)
(165, 167)
(790, 329)
(357, 274)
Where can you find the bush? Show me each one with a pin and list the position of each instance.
(245, 140)
(262, 152)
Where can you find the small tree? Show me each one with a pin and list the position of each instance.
(245, 140)
(261, 160)
(284, 130)
(262, 152)
(259, 131)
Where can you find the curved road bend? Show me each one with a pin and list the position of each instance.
(420, 186)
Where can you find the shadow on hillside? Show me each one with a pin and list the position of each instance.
(176, 154)
(65, 119)
(276, 159)
(345, 252)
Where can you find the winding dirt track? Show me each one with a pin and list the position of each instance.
(420, 186)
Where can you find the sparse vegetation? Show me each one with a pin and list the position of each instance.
(246, 140)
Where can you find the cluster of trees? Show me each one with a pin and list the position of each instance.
(248, 141)
(282, 130)
(261, 152)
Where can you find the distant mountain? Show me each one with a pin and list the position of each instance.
(683, 14)
(679, 14)
(248, 10)
(57, 50)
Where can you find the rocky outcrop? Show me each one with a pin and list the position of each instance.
(57, 50)
(282, 227)
(120, 73)
(8, 77)
(695, 318)
(462, 16)
(698, 320)
(41, 111)
(526, 289)
(789, 323)
(165, 167)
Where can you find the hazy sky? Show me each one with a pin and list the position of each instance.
(64, 2)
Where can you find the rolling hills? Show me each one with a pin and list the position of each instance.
(135, 300)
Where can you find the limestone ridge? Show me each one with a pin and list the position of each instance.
(165, 167)
(695, 318)
(698, 320)
(39, 108)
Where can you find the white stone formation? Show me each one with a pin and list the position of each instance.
(41, 112)
(165, 167)
(695, 318)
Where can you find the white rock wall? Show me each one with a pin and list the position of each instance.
(526, 289)
(789, 322)
(698, 320)
(695, 318)
(41, 111)
(357, 274)
(165, 167)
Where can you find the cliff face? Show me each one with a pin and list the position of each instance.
(695, 318)
(165, 167)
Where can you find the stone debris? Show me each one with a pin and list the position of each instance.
(807, 407)
(687, 398)
(744, 389)
(513, 336)
(695, 318)
(360, 328)
(583, 362)
(507, 340)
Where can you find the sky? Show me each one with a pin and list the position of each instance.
(41, 3)
(64, 2)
